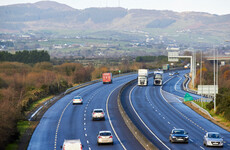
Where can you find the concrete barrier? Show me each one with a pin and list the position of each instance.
(134, 130)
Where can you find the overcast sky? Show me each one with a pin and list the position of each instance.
(211, 6)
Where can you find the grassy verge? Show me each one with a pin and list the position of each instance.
(22, 127)
(219, 119)
(25, 127)
(39, 102)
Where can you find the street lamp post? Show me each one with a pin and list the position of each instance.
(214, 72)
(201, 78)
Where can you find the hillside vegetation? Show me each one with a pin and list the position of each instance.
(55, 16)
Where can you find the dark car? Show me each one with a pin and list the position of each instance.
(178, 135)
(176, 73)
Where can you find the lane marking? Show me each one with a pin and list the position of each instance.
(107, 110)
(202, 147)
(130, 101)
(177, 83)
(178, 110)
(59, 121)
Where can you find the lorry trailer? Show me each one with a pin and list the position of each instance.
(107, 78)
(143, 77)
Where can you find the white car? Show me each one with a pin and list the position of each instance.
(98, 114)
(105, 137)
(170, 73)
(77, 100)
(213, 139)
(74, 144)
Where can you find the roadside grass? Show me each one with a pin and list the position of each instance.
(24, 125)
(218, 117)
(39, 102)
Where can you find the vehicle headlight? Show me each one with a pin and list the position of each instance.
(186, 137)
(173, 137)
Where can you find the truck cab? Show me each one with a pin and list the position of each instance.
(158, 78)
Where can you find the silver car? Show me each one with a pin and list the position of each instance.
(77, 100)
(104, 137)
(213, 139)
(98, 114)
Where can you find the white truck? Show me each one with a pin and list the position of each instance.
(158, 77)
(74, 144)
(143, 77)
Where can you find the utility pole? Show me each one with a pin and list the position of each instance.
(194, 68)
(214, 72)
(201, 78)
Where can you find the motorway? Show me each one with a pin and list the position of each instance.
(152, 110)
(156, 113)
(66, 121)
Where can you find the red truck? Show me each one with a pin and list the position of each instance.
(107, 78)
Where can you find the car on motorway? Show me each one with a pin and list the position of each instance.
(104, 137)
(98, 114)
(176, 73)
(178, 135)
(213, 139)
(77, 100)
(74, 144)
(170, 73)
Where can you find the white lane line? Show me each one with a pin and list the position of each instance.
(202, 147)
(177, 83)
(191, 140)
(168, 122)
(178, 110)
(59, 121)
(130, 101)
(87, 142)
(107, 110)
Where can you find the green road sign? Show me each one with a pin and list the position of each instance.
(188, 97)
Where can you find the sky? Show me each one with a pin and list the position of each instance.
(219, 7)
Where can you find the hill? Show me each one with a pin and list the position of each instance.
(52, 16)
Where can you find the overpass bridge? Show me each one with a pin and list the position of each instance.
(221, 58)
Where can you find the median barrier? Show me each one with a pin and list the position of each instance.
(134, 130)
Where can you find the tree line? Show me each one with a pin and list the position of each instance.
(27, 57)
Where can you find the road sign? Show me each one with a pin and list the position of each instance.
(188, 97)
(207, 89)
(173, 56)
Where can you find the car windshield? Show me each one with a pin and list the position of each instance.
(77, 97)
(158, 76)
(97, 111)
(178, 132)
(214, 136)
(105, 134)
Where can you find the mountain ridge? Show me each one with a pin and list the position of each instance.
(53, 15)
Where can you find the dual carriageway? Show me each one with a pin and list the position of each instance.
(155, 110)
